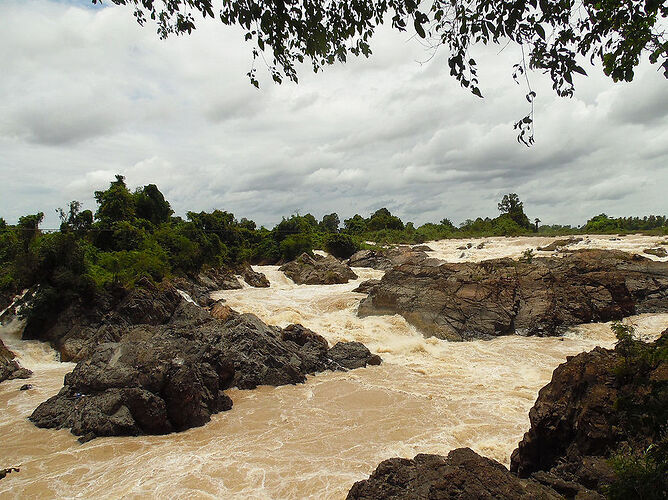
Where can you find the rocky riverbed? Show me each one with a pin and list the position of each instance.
(311, 440)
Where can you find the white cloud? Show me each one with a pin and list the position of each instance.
(86, 93)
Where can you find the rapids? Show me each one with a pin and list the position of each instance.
(315, 439)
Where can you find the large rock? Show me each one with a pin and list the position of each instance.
(200, 286)
(164, 378)
(658, 252)
(353, 355)
(597, 404)
(390, 257)
(558, 244)
(9, 367)
(83, 325)
(462, 474)
(317, 270)
(253, 278)
(463, 301)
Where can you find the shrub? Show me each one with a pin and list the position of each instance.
(340, 245)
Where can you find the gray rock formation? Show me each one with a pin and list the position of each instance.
(9, 367)
(157, 379)
(466, 301)
(317, 270)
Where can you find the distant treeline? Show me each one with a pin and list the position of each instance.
(134, 234)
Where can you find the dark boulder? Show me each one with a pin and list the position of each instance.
(317, 270)
(253, 278)
(9, 367)
(557, 244)
(463, 301)
(463, 474)
(164, 378)
(353, 355)
(365, 286)
(78, 329)
(597, 403)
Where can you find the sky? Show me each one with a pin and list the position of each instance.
(86, 93)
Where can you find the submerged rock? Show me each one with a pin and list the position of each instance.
(388, 258)
(462, 474)
(658, 251)
(157, 379)
(317, 270)
(422, 248)
(9, 367)
(463, 301)
(9, 470)
(557, 244)
(254, 278)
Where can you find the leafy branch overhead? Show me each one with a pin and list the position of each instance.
(553, 34)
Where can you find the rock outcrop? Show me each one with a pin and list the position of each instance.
(156, 379)
(253, 278)
(9, 367)
(597, 403)
(353, 355)
(462, 474)
(557, 244)
(317, 270)
(82, 326)
(658, 251)
(463, 301)
(388, 258)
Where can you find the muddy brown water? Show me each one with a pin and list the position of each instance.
(311, 440)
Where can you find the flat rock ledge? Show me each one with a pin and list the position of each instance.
(463, 474)
(317, 270)
(465, 301)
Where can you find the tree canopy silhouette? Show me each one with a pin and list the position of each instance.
(553, 34)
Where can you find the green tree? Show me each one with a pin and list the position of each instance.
(151, 205)
(330, 223)
(355, 225)
(340, 245)
(116, 203)
(511, 205)
(74, 219)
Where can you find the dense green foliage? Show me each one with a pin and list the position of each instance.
(134, 234)
(642, 410)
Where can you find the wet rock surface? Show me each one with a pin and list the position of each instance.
(463, 301)
(317, 270)
(597, 403)
(462, 474)
(658, 251)
(388, 258)
(254, 278)
(77, 330)
(156, 379)
(9, 367)
(557, 244)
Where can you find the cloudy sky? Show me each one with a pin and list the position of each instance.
(86, 93)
